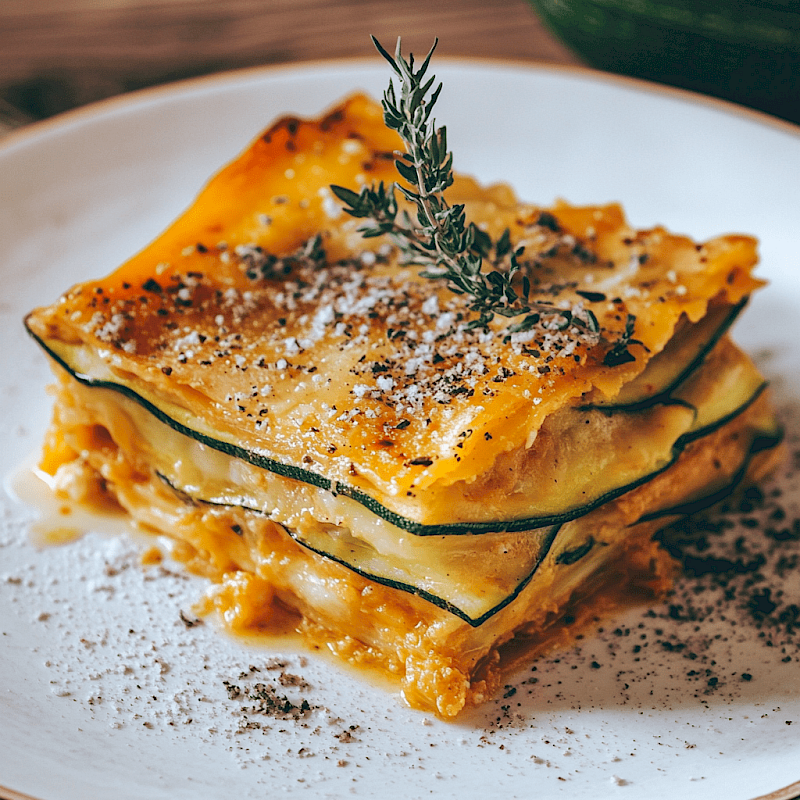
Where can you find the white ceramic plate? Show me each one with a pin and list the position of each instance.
(105, 693)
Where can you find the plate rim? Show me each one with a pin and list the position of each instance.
(29, 134)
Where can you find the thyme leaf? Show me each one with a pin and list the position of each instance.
(619, 353)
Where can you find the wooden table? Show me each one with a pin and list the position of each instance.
(58, 54)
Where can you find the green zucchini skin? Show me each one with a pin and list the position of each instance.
(665, 392)
(760, 444)
(409, 525)
(569, 557)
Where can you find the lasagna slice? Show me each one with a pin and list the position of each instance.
(328, 436)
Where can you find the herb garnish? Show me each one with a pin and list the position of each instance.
(619, 353)
(440, 238)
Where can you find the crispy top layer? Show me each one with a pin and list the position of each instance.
(264, 314)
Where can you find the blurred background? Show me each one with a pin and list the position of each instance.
(59, 54)
(56, 54)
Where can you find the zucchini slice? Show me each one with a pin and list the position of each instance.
(452, 573)
(682, 355)
(467, 578)
(471, 577)
(719, 490)
(618, 451)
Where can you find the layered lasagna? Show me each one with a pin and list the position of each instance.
(323, 433)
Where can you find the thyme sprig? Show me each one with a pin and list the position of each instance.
(440, 238)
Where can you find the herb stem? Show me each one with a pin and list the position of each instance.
(441, 240)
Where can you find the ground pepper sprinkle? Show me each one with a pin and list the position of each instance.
(732, 619)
